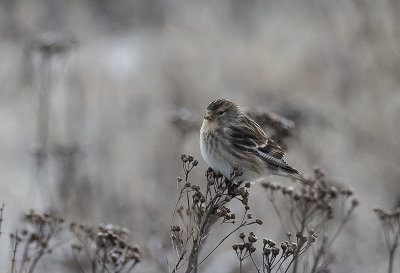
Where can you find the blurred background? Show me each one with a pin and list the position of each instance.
(98, 99)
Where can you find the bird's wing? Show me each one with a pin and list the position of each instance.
(248, 136)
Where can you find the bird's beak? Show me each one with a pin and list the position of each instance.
(208, 115)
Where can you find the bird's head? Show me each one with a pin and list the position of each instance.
(222, 111)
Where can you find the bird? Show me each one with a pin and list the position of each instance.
(229, 137)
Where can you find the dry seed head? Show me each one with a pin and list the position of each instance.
(303, 239)
(266, 185)
(355, 202)
(184, 158)
(252, 238)
(176, 228)
(333, 191)
(275, 251)
(349, 192)
(76, 247)
(238, 173)
(241, 235)
(311, 239)
(114, 258)
(267, 251)
(259, 221)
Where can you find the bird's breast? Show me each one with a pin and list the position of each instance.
(214, 151)
(209, 125)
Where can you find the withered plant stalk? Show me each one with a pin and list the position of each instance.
(390, 222)
(200, 210)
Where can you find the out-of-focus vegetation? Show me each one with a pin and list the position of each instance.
(99, 98)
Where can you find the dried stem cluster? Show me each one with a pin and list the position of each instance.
(1, 217)
(273, 257)
(37, 240)
(199, 210)
(314, 204)
(390, 222)
(106, 247)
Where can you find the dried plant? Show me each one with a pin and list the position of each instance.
(37, 240)
(47, 55)
(1, 217)
(314, 204)
(15, 241)
(390, 222)
(273, 258)
(47, 52)
(201, 209)
(107, 247)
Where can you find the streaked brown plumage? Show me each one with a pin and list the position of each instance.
(229, 136)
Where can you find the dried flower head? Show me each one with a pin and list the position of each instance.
(109, 246)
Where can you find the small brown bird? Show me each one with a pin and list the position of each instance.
(229, 136)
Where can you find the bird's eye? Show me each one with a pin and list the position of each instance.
(220, 112)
